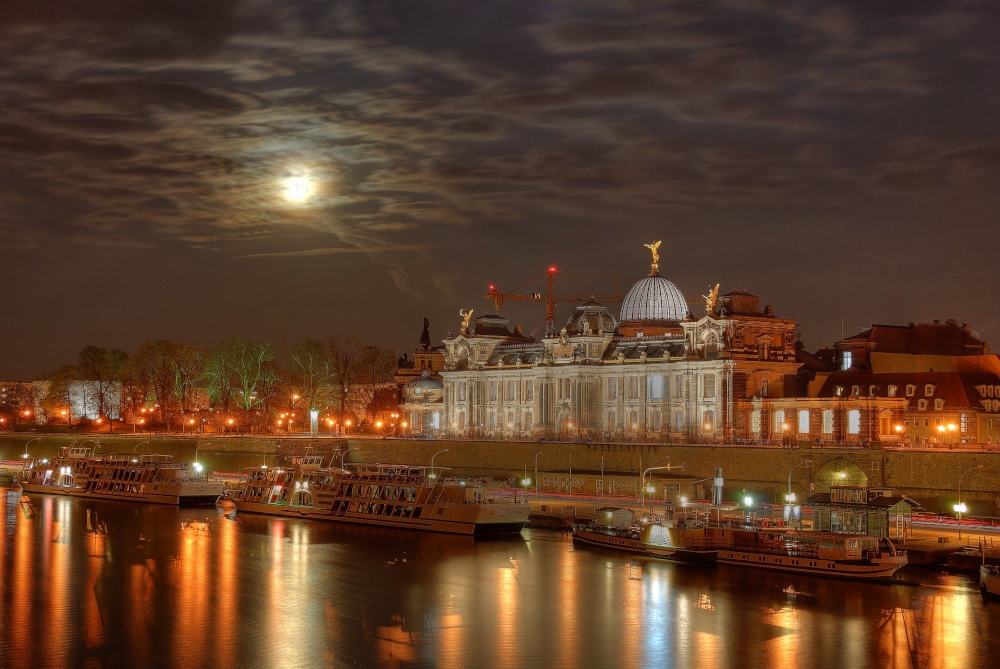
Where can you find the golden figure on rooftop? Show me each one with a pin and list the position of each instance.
(466, 317)
(655, 248)
(711, 298)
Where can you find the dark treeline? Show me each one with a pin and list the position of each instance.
(237, 385)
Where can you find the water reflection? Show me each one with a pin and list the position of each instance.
(96, 584)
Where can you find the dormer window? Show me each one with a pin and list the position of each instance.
(839, 391)
(871, 391)
(929, 389)
(939, 404)
(845, 360)
(922, 405)
(892, 391)
(856, 390)
(911, 390)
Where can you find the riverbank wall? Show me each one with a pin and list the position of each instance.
(929, 477)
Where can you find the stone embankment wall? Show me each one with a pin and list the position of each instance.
(931, 478)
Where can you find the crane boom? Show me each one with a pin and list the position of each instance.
(550, 297)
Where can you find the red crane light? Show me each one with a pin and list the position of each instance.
(552, 270)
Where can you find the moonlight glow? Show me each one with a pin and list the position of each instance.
(297, 189)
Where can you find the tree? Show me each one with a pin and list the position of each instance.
(58, 393)
(377, 373)
(311, 373)
(135, 388)
(189, 368)
(101, 369)
(244, 373)
(16, 399)
(345, 356)
(157, 362)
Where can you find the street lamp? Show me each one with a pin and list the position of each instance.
(432, 474)
(536, 474)
(197, 465)
(642, 482)
(140, 444)
(25, 456)
(961, 508)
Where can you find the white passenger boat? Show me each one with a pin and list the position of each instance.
(399, 496)
(737, 542)
(155, 479)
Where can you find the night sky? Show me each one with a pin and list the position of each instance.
(840, 160)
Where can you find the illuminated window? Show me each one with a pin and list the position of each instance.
(906, 422)
(655, 387)
(803, 421)
(839, 391)
(828, 422)
(910, 390)
(856, 391)
(892, 391)
(779, 420)
(845, 360)
(755, 421)
(965, 422)
(708, 386)
(854, 422)
(461, 391)
(708, 420)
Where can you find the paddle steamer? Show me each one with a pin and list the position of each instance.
(399, 496)
(155, 479)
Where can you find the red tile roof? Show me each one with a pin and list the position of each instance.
(957, 389)
(948, 338)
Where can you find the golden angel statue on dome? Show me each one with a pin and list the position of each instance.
(466, 316)
(655, 248)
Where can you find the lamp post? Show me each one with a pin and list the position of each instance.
(642, 482)
(432, 474)
(536, 473)
(197, 465)
(140, 444)
(960, 508)
(790, 497)
(25, 456)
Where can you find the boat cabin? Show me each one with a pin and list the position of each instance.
(612, 516)
(869, 511)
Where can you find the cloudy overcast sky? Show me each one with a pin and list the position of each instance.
(840, 160)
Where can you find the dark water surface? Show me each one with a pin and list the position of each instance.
(91, 584)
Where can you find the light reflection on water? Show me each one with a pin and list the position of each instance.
(92, 584)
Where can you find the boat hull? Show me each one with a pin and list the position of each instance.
(198, 495)
(470, 521)
(878, 569)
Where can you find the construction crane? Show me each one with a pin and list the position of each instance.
(551, 297)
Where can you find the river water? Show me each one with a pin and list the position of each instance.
(110, 584)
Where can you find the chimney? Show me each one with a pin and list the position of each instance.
(937, 322)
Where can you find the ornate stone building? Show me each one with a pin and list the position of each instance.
(654, 373)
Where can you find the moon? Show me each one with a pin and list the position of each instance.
(297, 189)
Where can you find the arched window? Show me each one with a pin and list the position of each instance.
(803, 421)
(828, 421)
(853, 422)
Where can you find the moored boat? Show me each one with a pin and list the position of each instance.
(154, 479)
(989, 580)
(399, 496)
(687, 537)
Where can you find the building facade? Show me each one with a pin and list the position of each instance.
(654, 373)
